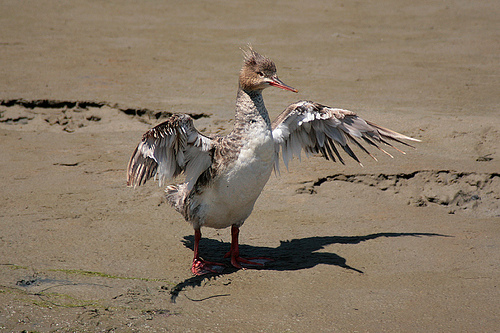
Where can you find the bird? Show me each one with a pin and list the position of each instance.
(224, 175)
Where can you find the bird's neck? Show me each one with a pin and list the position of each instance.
(250, 111)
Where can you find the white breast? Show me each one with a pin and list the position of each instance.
(231, 199)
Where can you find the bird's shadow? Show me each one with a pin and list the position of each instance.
(290, 255)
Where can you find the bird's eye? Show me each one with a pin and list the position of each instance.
(260, 74)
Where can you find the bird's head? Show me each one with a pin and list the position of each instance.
(259, 72)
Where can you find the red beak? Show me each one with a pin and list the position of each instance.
(275, 82)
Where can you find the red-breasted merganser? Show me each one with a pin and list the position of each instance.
(226, 174)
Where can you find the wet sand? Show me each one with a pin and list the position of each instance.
(399, 245)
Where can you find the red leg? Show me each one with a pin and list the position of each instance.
(234, 253)
(201, 266)
(197, 237)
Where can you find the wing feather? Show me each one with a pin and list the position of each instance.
(317, 128)
(169, 149)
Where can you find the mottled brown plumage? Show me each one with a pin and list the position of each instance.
(226, 174)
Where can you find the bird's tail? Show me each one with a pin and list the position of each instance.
(174, 196)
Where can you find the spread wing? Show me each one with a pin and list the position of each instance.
(167, 150)
(317, 128)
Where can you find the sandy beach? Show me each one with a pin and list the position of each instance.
(405, 244)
